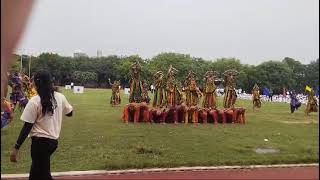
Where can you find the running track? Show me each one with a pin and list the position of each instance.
(292, 173)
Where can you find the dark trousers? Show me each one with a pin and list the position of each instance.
(292, 108)
(41, 150)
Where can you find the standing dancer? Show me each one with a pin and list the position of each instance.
(209, 90)
(17, 95)
(294, 103)
(312, 105)
(193, 95)
(173, 94)
(136, 88)
(158, 97)
(6, 112)
(145, 95)
(115, 97)
(256, 97)
(230, 94)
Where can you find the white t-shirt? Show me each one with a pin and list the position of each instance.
(48, 126)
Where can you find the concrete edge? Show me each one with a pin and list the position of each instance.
(128, 171)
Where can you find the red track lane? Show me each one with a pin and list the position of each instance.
(292, 173)
(262, 173)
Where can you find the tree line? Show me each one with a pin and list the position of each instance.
(95, 72)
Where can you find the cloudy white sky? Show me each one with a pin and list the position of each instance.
(250, 30)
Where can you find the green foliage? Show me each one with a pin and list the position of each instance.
(16, 63)
(312, 74)
(274, 74)
(288, 73)
(84, 77)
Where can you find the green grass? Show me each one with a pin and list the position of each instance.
(96, 138)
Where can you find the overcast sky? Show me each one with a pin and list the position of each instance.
(250, 30)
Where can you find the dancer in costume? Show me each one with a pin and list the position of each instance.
(173, 93)
(193, 94)
(294, 103)
(172, 97)
(158, 97)
(6, 112)
(256, 97)
(209, 90)
(136, 88)
(312, 105)
(17, 95)
(31, 90)
(115, 97)
(28, 86)
(145, 95)
(230, 94)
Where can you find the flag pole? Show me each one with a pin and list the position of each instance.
(21, 63)
(29, 65)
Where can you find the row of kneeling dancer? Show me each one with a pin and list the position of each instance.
(140, 112)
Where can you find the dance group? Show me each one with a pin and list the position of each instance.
(173, 104)
(312, 105)
(22, 90)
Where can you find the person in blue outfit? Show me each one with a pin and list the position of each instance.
(294, 103)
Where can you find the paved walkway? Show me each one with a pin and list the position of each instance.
(292, 173)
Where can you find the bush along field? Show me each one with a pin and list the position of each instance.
(95, 138)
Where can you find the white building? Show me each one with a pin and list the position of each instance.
(79, 53)
(99, 53)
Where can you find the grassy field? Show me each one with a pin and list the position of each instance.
(95, 138)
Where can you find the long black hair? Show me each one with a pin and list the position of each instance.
(45, 89)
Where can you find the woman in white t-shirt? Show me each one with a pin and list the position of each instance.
(42, 118)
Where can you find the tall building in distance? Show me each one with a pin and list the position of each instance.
(79, 53)
(99, 53)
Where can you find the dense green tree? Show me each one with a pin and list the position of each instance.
(274, 74)
(312, 74)
(297, 75)
(95, 72)
(84, 78)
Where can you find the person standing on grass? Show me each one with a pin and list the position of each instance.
(294, 103)
(42, 121)
(256, 97)
(312, 105)
(270, 94)
(71, 84)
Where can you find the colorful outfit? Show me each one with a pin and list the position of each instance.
(115, 97)
(230, 94)
(209, 90)
(145, 95)
(32, 92)
(294, 103)
(256, 96)
(173, 94)
(136, 88)
(158, 97)
(193, 94)
(17, 94)
(7, 113)
(312, 105)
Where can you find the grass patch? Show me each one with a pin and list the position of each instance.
(95, 138)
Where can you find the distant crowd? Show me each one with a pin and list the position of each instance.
(274, 98)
